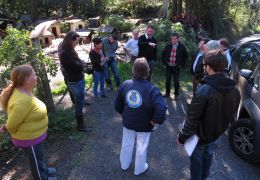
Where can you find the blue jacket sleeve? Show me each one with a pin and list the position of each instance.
(159, 106)
(119, 101)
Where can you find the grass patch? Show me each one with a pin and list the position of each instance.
(60, 87)
(158, 76)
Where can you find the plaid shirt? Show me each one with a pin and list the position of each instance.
(173, 56)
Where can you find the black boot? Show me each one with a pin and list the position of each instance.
(80, 124)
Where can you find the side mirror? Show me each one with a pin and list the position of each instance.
(246, 73)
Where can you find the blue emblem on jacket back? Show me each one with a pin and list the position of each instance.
(133, 99)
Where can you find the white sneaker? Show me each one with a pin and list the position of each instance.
(145, 169)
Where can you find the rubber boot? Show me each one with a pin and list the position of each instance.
(80, 124)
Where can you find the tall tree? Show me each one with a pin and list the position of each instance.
(179, 9)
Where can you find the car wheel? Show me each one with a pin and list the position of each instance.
(241, 138)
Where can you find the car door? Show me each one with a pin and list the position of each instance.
(249, 59)
(255, 95)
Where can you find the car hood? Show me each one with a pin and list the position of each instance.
(219, 82)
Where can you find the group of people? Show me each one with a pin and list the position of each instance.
(140, 103)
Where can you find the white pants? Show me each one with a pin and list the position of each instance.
(128, 141)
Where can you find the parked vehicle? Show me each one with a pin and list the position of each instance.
(244, 134)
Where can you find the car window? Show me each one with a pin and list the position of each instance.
(248, 58)
(257, 78)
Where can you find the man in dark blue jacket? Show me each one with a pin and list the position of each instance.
(142, 108)
(213, 107)
(174, 56)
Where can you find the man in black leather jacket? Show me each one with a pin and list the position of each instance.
(213, 107)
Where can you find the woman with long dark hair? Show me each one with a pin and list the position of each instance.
(73, 70)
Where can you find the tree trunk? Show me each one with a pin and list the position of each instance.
(33, 10)
(43, 87)
(174, 7)
(188, 6)
(164, 10)
(179, 9)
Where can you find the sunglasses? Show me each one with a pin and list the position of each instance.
(204, 64)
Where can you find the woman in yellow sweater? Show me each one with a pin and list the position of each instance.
(27, 119)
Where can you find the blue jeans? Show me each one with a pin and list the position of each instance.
(38, 166)
(113, 65)
(99, 78)
(78, 91)
(200, 161)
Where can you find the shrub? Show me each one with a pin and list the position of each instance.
(65, 27)
(163, 30)
(62, 121)
(118, 23)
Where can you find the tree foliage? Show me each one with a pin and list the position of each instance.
(17, 49)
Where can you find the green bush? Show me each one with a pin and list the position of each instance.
(5, 139)
(118, 23)
(65, 27)
(61, 87)
(62, 121)
(163, 30)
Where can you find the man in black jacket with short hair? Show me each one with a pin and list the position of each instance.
(213, 107)
(174, 56)
(147, 48)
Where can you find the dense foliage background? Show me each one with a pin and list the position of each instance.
(231, 18)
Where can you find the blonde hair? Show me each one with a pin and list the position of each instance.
(18, 77)
(140, 69)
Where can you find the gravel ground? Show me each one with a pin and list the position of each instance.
(95, 155)
(166, 159)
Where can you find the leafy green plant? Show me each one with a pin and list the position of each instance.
(16, 49)
(59, 88)
(65, 27)
(163, 30)
(62, 121)
(118, 22)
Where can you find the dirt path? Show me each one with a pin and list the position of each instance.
(95, 155)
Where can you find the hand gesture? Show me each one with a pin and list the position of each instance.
(152, 44)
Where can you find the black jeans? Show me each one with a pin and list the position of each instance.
(151, 65)
(38, 166)
(175, 72)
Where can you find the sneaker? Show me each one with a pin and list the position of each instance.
(176, 97)
(104, 96)
(52, 171)
(145, 169)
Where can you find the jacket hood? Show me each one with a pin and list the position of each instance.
(219, 82)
